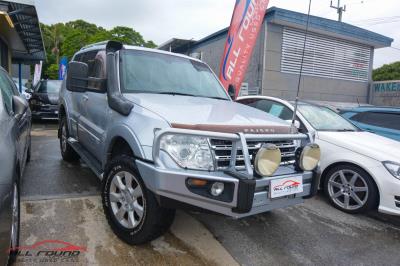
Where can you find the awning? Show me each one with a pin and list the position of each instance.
(27, 44)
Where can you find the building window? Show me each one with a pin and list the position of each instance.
(324, 56)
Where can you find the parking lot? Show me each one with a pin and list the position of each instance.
(60, 201)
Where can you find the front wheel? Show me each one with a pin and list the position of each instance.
(67, 152)
(351, 189)
(15, 224)
(131, 209)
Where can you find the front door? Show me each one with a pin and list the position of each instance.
(94, 109)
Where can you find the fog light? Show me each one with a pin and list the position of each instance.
(310, 157)
(217, 188)
(267, 160)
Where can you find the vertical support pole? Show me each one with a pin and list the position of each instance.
(20, 77)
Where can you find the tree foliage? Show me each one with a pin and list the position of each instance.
(387, 72)
(65, 39)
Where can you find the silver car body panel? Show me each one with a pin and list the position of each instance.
(92, 122)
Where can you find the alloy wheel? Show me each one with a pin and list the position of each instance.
(64, 138)
(348, 189)
(127, 199)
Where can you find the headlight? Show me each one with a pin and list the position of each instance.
(393, 168)
(189, 152)
(267, 160)
(309, 157)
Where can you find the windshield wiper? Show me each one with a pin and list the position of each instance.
(178, 93)
(217, 98)
(345, 130)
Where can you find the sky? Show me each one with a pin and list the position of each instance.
(161, 20)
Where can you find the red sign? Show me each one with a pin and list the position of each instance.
(247, 19)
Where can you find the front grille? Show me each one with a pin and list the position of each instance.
(222, 151)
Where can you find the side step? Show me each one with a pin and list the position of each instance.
(92, 162)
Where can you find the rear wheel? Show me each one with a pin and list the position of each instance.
(351, 189)
(131, 209)
(15, 224)
(67, 152)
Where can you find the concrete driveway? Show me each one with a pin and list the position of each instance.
(61, 202)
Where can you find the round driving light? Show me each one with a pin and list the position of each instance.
(267, 160)
(217, 188)
(310, 157)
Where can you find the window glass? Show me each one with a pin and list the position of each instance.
(272, 107)
(149, 72)
(49, 86)
(324, 119)
(7, 91)
(358, 117)
(97, 70)
(386, 120)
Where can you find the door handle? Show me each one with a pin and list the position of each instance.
(85, 98)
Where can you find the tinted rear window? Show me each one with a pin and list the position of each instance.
(386, 120)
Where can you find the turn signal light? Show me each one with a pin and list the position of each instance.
(194, 182)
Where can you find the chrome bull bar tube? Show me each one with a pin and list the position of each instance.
(239, 141)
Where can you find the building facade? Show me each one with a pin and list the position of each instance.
(337, 64)
(21, 42)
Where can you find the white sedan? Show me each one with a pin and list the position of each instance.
(360, 171)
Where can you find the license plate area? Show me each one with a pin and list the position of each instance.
(283, 187)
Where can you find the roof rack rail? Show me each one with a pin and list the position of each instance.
(94, 44)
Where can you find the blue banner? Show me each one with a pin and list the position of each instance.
(62, 69)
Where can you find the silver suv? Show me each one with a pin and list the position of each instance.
(162, 133)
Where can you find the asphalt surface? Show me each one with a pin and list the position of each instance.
(47, 176)
(313, 233)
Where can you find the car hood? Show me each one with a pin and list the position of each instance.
(48, 98)
(208, 114)
(365, 143)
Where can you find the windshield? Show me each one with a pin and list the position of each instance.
(149, 72)
(50, 86)
(324, 119)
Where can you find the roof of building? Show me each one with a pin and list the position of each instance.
(26, 24)
(177, 45)
(317, 25)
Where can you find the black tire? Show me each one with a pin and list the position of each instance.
(369, 199)
(155, 220)
(67, 152)
(28, 154)
(14, 248)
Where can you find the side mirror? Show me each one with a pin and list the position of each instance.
(19, 106)
(77, 76)
(232, 92)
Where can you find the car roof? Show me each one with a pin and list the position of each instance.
(362, 109)
(136, 48)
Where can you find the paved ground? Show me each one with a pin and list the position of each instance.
(60, 201)
(310, 234)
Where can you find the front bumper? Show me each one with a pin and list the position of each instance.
(45, 112)
(389, 190)
(171, 184)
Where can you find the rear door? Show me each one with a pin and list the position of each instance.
(94, 107)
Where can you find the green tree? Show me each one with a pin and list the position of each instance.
(51, 72)
(387, 72)
(66, 39)
(127, 36)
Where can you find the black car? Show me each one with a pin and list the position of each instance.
(15, 125)
(44, 100)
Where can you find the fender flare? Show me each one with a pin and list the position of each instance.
(122, 131)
